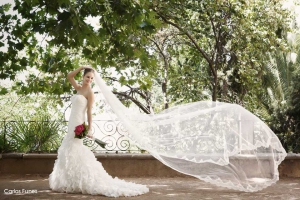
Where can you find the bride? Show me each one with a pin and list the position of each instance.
(220, 143)
(76, 169)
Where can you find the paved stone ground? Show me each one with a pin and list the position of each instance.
(160, 189)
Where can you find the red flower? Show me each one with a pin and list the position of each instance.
(79, 129)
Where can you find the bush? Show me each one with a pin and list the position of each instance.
(40, 135)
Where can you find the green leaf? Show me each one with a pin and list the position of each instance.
(64, 16)
(3, 91)
(122, 80)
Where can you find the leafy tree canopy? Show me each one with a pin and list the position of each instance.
(226, 41)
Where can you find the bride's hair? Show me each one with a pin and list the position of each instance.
(87, 71)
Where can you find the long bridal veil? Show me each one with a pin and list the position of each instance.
(220, 143)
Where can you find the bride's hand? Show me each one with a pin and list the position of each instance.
(90, 135)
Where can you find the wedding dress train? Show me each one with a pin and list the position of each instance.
(76, 169)
(220, 143)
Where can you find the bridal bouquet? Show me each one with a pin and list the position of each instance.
(81, 131)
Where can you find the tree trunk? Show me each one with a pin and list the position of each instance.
(164, 85)
(215, 84)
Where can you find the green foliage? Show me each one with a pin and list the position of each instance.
(30, 136)
(228, 42)
(69, 39)
(286, 118)
(227, 39)
(279, 98)
(14, 106)
(217, 50)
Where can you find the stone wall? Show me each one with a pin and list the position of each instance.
(121, 165)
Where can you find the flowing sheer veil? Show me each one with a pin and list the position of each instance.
(220, 143)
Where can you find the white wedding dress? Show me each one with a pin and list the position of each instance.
(220, 143)
(76, 169)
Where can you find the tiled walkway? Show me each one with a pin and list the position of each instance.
(160, 189)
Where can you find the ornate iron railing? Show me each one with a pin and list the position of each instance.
(46, 136)
(114, 134)
(37, 136)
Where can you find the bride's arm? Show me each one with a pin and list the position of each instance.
(71, 76)
(89, 111)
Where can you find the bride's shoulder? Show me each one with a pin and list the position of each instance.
(78, 87)
(90, 94)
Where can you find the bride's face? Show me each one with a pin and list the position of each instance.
(88, 78)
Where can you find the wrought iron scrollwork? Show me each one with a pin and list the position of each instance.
(111, 132)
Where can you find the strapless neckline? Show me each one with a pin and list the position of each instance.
(82, 96)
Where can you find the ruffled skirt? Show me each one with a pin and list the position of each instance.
(77, 170)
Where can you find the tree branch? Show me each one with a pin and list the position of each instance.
(136, 90)
(139, 104)
(192, 39)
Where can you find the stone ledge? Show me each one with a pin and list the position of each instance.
(120, 156)
(11, 155)
(292, 156)
(121, 165)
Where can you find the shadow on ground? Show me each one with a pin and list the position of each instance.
(160, 189)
